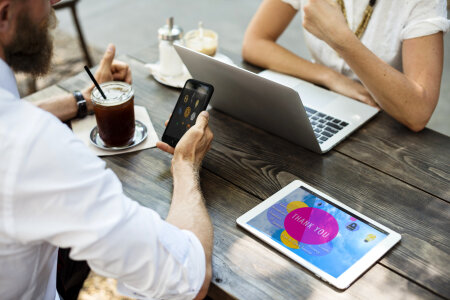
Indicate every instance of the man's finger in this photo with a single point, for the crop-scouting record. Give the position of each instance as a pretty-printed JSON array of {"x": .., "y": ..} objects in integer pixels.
[
  {"x": 202, "y": 120},
  {"x": 128, "y": 78},
  {"x": 108, "y": 57},
  {"x": 165, "y": 147}
]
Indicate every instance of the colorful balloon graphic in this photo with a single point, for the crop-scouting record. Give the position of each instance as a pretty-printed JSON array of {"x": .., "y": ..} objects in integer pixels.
[
  {"x": 310, "y": 225},
  {"x": 276, "y": 214},
  {"x": 287, "y": 240},
  {"x": 295, "y": 204}
]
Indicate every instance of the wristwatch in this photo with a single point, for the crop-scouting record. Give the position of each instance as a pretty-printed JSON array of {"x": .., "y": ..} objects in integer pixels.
[{"x": 81, "y": 104}]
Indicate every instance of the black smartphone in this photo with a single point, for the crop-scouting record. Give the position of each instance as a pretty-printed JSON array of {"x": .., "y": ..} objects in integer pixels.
[{"x": 194, "y": 99}]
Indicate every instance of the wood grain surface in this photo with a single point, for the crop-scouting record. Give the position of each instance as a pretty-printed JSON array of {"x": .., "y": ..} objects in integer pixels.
[
  {"x": 419, "y": 159},
  {"x": 246, "y": 165},
  {"x": 245, "y": 268}
]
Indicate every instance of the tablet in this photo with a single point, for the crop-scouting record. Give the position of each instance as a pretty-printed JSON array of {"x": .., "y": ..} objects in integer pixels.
[{"x": 330, "y": 239}]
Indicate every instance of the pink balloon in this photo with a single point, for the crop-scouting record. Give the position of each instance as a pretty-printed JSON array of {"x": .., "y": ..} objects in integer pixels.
[{"x": 311, "y": 225}]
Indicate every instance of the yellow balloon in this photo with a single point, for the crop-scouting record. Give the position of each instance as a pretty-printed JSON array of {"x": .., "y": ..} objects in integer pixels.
[
  {"x": 295, "y": 204},
  {"x": 288, "y": 240}
]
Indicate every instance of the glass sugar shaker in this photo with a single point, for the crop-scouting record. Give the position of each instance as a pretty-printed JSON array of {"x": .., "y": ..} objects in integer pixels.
[{"x": 170, "y": 62}]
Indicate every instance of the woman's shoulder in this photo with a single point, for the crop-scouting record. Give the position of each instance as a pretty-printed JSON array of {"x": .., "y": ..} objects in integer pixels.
[{"x": 296, "y": 4}]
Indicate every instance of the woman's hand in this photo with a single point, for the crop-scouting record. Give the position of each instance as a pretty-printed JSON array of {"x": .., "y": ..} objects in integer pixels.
[
  {"x": 343, "y": 85},
  {"x": 324, "y": 19}
]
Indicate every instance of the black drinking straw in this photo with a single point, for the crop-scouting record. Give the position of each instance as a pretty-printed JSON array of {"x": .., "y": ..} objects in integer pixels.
[{"x": 95, "y": 82}]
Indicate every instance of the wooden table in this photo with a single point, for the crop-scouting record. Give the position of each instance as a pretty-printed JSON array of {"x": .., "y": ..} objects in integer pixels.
[{"x": 396, "y": 177}]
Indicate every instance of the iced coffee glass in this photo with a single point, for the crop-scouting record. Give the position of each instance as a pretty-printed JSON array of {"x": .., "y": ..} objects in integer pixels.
[{"x": 115, "y": 114}]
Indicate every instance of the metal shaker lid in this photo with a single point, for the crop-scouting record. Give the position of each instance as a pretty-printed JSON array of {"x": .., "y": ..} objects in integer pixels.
[{"x": 170, "y": 32}]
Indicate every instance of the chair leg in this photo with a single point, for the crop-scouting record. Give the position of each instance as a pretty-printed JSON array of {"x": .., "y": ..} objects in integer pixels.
[{"x": 87, "y": 56}]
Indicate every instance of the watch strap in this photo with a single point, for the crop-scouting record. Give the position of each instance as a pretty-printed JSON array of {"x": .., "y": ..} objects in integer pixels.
[{"x": 81, "y": 104}]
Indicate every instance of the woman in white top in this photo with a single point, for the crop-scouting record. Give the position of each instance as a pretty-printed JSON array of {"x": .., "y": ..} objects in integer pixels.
[{"x": 395, "y": 64}]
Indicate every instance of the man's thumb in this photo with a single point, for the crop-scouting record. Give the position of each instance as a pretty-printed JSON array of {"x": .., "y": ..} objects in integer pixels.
[{"x": 108, "y": 57}]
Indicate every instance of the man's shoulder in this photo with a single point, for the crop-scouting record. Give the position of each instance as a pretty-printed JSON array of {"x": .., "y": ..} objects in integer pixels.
[
  {"x": 23, "y": 125},
  {"x": 18, "y": 118}
]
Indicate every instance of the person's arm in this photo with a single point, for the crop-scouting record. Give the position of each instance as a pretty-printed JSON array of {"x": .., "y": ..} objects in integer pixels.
[
  {"x": 63, "y": 195},
  {"x": 65, "y": 107},
  {"x": 187, "y": 195},
  {"x": 260, "y": 48},
  {"x": 409, "y": 97}
]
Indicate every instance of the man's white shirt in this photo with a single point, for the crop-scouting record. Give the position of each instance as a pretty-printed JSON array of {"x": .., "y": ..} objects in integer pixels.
[{"x": 55, "y": 193}]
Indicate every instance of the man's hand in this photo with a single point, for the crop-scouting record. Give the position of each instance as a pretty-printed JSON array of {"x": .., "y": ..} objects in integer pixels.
[
  {"x": 194, "y": 145},
  {"x": 324, "y": 19},
  {"x": 187, "y": 210},
  {"x": 343, "y": 85},
  {"x": 112, "y": 70},
  {"x": 108, "y": 70}
]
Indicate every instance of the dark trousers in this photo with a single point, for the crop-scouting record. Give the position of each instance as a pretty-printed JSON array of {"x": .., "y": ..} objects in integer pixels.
[{"x": 70, "y": 276}]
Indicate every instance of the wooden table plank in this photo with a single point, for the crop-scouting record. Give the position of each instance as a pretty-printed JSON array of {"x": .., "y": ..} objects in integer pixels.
[
  {"x": 270, "y": 163},
  {"x": 420, "y": 159},
  {"x": 45, "y": 93},
  {"x": 243, "y": 267}
]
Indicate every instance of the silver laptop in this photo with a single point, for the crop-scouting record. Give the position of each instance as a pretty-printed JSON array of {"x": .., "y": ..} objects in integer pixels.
[{"x": 294, "y": 109}]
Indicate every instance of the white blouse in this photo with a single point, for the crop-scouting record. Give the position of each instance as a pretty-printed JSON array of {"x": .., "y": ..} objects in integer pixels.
[{"x": 392, "y": 22}]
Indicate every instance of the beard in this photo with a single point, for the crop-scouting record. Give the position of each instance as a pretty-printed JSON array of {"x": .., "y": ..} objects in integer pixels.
[{"x": 32, "y": 48}]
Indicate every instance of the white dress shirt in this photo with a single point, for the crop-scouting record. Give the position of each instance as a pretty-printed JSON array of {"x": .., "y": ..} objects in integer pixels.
[
  {"x": 392, "y": 22},
  {"x": 55, "y": 193}
]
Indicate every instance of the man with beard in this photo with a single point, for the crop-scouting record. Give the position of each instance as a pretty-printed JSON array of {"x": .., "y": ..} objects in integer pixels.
[{"x": 55, "y": 193}]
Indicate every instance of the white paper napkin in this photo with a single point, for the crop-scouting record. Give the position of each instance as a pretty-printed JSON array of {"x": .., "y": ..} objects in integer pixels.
[{"x": 83, "y": 127}]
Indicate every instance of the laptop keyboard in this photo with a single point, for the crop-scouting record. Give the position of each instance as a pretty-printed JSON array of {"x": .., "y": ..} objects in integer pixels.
[{"x": 324, "y": 126}]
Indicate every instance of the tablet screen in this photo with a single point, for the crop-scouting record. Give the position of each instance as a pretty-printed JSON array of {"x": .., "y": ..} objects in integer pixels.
[{"x": 315, "y": 229}]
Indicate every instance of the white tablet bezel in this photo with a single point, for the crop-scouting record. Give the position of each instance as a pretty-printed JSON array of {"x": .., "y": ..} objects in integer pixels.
[{"x": 350, "y": 275}]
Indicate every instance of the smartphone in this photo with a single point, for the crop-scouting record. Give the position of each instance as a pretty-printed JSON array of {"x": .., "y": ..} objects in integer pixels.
[{"x": 194, "y": 99}]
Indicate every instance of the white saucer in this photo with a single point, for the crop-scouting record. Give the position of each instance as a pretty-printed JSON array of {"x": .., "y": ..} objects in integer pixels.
[
  {"x": 223, "y": 58},
  {"x": 173, "y": 81},
  {"x": 140, "y": 134},
  {"x": 179, "y": 80}
]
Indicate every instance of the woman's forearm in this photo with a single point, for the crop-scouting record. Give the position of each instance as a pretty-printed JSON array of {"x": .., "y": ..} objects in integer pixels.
[
  {"x": 408, "y": 101},
  {"x": 269, "y": 55}
]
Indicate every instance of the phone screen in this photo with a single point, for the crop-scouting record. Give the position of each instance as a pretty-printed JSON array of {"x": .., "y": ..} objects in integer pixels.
[{"x": 194, "y": 98}]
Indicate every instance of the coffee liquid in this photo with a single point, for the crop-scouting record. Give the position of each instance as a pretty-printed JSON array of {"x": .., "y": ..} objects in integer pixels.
[{"x": 115, "y": 116}]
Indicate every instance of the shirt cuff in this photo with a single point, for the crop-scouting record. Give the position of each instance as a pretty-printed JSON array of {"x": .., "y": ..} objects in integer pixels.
[
  {"x": 425, "y": 27},
  {"x": 200, "y": 271},
  {"x": 195, "y": 261}
]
